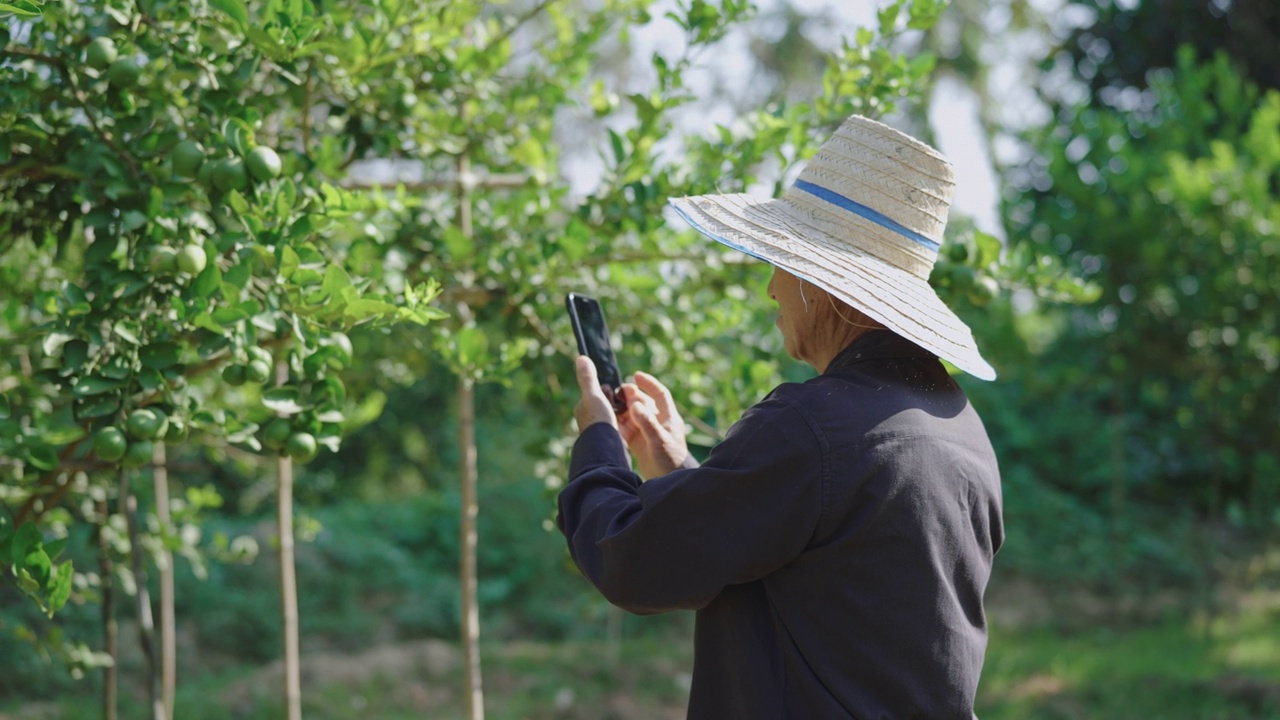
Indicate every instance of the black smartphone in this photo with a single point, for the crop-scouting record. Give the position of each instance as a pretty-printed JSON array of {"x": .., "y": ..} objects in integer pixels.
[{"x": 593, "y": 341}]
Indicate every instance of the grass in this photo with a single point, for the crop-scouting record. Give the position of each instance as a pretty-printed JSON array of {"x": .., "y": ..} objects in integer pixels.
[{"x": 1221, "y": 668}]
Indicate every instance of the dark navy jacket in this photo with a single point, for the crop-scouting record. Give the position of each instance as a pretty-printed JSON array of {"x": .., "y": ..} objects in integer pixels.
[{"x": 836, "y": 544}]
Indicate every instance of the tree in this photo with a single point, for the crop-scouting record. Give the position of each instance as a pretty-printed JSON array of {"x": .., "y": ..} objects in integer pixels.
[
  {"x": 176, "y": 258},
  {"x": 1170, "y": 209}
]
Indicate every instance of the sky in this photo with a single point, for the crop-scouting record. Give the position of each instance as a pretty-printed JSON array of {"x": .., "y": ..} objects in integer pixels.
[{"x": 953, "y": 110}]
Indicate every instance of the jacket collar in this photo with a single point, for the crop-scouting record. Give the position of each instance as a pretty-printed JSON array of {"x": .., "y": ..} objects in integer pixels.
[{"x": 876, "y": 345}]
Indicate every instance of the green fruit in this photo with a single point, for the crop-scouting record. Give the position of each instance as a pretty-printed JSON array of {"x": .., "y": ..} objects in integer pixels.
[
  {"x": 984, "y": 290},
  {"x": 188, "y": 158},
  {"x": 230, "y": 174},
  {"x": 301, "y": 447},
  {"x": 100, "y": 53},
  {"x": 234, "y": 375},
  {"x": 257, "y": 372},
  {"x": 962, "y": 278},
  {"x": 192, "y": 260},
  {"x": 164, "y": 260},
  {"x": 205, "y": 174},
  {"x": 258, "y": 353},
  {"x": 110, "y": 444},
  {"x": 957, "y": 252},
  {"x": 263, "y": 163},
  {"x": 177, "y": 431},
  {"x": 146, "y": 424},
  {"x": 139, "y": 453},
  {"x": 124, "y": 73},
  {"x": 277, "y": 433}
]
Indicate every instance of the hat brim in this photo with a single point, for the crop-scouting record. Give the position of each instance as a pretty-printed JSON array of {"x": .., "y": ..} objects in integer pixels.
[{"x": 779, "y": 233}]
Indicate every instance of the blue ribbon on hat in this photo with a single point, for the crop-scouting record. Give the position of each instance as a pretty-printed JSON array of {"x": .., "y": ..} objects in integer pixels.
[{"x": 863, "y": 211}]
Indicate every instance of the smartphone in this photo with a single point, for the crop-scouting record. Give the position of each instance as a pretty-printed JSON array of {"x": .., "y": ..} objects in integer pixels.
[{"x": 593, "y": 341}]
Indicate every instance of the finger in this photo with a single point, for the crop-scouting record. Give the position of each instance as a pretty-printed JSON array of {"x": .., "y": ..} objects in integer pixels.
[
  {"x": 587, "y": 381},
  {"x": 646, "y": 422},
  {"x": 655, "y": 389},
  {"x": 632, "y": 394}
]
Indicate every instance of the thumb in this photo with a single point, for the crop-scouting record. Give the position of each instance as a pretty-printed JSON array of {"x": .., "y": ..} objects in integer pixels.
[{"x": 586, "y": 371}]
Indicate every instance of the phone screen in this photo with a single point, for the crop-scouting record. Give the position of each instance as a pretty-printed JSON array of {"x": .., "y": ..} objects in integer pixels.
[{"x": 593, "y": 341}]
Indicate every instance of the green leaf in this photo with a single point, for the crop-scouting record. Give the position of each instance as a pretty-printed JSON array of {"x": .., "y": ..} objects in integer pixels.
[
  {"x": 55, "y": 548},
  {"x": 127, "y": 332},
  {"x": 4, "y": 407},
  {"x": 43, "y": 457},
  {"x": 54, "y": 341},
  {"x": 229, "y": 315},
  {"x": 459, "y": 244},
  {"x": 25, "y": 8},
  {"x": 234, "y": 9},
  {"x": 159, "y": 355},
  {"x": 239, "y": 134},
  {"x": 289, "y": 262},
  {"x": 336, "y": 280},
  {"x": 100, "y": 406},
  {"x": 27, "y": 536},
  {"x": 209, "y": 281},
  {"x": 96, "y": 385},
  {"x": 363, "y": 309},
  {"x": 60, "y": 587},
  {"x": 282, "y": 400}
]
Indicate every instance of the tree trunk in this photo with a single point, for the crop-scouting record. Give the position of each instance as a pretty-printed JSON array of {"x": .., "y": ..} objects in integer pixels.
[
  {"x": 467, "y": 543},
  {"x": 467, "y": 540},
  {"x": 146, "y": 625},
  {"x": 110, "y": 633},
  {"x": 168, "y": 621},
  {"x": 288, "y": 577}
]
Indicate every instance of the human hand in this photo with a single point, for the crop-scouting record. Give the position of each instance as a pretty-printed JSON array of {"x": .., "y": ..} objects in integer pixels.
[
  {"x": 594, "y": 406},
  {"x": 652, "y": 427}
]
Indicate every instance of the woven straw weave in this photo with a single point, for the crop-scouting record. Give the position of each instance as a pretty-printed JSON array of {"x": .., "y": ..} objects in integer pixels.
[{"x": 872, "y": 267}]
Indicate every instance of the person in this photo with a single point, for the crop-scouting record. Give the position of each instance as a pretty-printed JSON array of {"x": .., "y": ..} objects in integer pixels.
[{"x": 836, "y": 544}]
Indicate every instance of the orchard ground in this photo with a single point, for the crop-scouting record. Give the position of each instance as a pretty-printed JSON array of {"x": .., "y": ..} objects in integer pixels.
[{"x": 1053, "y": 654}]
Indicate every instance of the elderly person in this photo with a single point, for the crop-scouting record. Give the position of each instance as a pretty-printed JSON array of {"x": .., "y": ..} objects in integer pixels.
[{"x": 837, "y": 543}]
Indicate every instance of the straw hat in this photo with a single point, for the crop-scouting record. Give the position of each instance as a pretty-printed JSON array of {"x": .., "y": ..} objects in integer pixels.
[{"x": 864, "y": 222}]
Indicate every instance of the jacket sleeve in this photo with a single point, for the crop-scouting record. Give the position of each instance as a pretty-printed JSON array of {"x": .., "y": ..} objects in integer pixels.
[{"x": 676, "y": 541}]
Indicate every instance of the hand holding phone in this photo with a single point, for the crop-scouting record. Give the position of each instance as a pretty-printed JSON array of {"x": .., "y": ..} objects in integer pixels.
[{"x": 593, "y": 341}]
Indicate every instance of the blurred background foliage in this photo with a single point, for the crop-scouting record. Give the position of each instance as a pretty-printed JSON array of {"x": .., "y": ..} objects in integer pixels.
[{"x": 1131, "y": 309}]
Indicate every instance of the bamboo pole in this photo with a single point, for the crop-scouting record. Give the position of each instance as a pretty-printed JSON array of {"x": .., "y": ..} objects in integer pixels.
[
  {"x": 468, "y": 537},
  {"x": 110, "y": 631},
  {"x": 168, "y": 620},
  {"x": 288, "y": 576}
]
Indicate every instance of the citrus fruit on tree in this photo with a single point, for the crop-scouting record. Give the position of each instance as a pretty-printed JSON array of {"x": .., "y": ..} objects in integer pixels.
[
  {"x": 984, "y": 290},
  {"x": 257, "y": 371},
  {"x": 958, "y": 252},
  {"x": 139, "y": 453},
  {"x": 230, "y": 174},
  {"x": 301, "y": 447},
  {"x": 188, "y": 158},
  {"x": 100, "y": 53},
  {"x": 277, "y": 433},
  {"x": 259, "y": 353},
  {"x": 110, "y": 444},
  {"x": 146, "y": 424},
  {"x": 234, "y": 374},
  {"x": 263, "y": 163},
  {"x": 192, "y": 259},
  {"x": 164, "y": 260},
  {"x": 124, "y": 73},
  {"x": 205, "y": 175}
]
